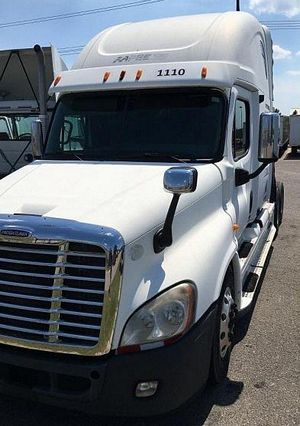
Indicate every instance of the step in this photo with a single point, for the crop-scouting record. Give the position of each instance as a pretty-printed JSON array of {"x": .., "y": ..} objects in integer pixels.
[
  {"x": 245, "y": 249},
  {"x": 255, "y": 271}
]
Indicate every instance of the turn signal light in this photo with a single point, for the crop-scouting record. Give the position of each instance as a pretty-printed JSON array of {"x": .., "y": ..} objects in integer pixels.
[
  {"x": 122, "y": 75},
  {"x": 139, "y": 75},
  {"x": 56, "y": 80},
  {"x": 106, "y": 77},
  {"x": 204, "y": 72},
  {"x": 235, "y": 227}
]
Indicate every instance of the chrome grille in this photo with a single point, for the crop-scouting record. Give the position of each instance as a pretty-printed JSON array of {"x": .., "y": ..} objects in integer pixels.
[{"x": 52, "y": 293}]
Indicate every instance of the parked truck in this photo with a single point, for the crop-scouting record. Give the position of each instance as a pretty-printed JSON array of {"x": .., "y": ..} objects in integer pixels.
[
  {"x": 141, "y": 232},
  {"x": 294, "y": 139},
  {"x": 25, "y": 77},
  {"x": 284, "y": 133}
]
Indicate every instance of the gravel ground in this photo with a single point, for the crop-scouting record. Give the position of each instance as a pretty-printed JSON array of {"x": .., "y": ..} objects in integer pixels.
[{"x": 262, "y": 386}]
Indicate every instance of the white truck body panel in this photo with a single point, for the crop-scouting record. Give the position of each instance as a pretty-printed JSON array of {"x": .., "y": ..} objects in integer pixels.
[{"x": 234, "y": 47}]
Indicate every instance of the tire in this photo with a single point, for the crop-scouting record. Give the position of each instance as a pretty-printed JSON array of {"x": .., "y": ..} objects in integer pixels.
[
  {"x": 224, "y": 331},
  {"x": 294, "y": 150}
]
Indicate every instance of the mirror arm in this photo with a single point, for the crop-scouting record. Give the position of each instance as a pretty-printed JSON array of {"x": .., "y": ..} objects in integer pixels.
[
  {"x": 243, "y": 176},
  {"x": 163, "y": 238},
  {"x": 259, "y": 170}
]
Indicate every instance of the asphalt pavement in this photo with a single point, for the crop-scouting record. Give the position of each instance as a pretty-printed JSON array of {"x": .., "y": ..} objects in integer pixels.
[{"x": 263, "y": 381}]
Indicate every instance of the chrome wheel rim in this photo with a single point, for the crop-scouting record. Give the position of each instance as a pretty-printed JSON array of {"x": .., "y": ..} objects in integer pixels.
[{"x": 226, "y": 322}]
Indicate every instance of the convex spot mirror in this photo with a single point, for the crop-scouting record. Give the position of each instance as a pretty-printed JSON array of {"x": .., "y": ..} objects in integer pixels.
[
  {"x": 269, "y": 134},
  {"x": 180, "y": 180},
  {"x": 37, "y": 139}
]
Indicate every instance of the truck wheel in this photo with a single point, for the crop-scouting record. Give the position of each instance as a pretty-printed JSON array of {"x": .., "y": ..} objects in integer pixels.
[
  {"x": 294, "y": 150},
  {"x": 223, "y": 336}
]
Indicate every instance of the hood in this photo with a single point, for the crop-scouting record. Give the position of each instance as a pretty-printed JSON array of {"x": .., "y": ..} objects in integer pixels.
[{"x": 127, "y": 197}]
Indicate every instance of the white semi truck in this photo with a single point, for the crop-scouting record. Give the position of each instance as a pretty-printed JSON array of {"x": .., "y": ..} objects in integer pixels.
[
  {"x": 294, "y": 139},
  {"x": 25, "y": 77},
  {"x": 130, "y": 246}
]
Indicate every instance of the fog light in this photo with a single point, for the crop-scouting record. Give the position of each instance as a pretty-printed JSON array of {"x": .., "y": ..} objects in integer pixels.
[{"x": 145, "y": 389}]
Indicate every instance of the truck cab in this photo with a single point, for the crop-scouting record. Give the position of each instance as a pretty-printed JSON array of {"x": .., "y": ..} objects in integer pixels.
[{"x": 141, "y": 232}]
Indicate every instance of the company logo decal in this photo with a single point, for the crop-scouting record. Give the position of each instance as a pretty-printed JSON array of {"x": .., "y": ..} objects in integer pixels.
[{"x": 15, "y": 233}]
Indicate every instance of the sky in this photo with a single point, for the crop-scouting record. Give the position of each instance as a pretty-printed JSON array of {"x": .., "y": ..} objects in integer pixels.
[{"x": 77, "y": 31}]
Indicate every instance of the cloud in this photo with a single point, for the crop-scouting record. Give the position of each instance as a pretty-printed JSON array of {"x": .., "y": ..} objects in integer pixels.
[
  {"x": 288, "y": 8},
  {"x": 298, "y": 53},
  {"x": 280, "y": 53},
  {"x": 293, "y": 72}
]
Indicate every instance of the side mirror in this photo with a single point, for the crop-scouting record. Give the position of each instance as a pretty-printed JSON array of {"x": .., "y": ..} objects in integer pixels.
[
  {"x": 180, "y": 180},
  {"x": 37, "y": 139},
  {"x": 269, "y": 134},
  {"x": 177, "y": 180}
]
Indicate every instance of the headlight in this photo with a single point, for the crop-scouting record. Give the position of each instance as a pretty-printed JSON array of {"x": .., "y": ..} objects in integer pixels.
[{"x": 169, "y": 315}]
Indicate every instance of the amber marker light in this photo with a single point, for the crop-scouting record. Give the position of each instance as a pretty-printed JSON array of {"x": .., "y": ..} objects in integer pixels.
[
  {"x": 56, "y": 80},
  {"x": 235, "y": 227},
  {"x": 203, "y": 72},
  {"x": 106, "y": 76},
  {"x": 139, "y": 75},
  {"x": 122, "y": 75}
]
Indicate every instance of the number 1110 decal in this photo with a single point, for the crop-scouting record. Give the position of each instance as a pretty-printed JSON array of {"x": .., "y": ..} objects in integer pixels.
[{"x": 170, "y": 72}]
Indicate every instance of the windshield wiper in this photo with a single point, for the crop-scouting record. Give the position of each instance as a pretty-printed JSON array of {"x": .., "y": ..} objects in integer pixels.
[
  {"x": 163, "y": 155},
  {"x": 148, "y": 155},
  {"x": 76, "y": 156},
  {"x": 63, "y": 156}
]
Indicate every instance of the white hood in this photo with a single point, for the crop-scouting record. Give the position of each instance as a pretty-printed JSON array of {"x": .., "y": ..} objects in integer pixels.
[{"x": 127, "y": 197}]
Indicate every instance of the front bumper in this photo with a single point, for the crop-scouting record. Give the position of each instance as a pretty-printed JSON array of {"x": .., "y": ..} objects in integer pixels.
[{"x": 106, "y": 385}]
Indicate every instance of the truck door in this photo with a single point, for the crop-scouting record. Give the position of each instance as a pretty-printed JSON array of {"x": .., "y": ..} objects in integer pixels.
[{"x": 242, "y": 197}]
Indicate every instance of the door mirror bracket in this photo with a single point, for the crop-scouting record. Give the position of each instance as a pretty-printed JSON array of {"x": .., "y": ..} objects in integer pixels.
[
  {"x": 177, "y": 180},
  {"x": 242, "y": 176}
]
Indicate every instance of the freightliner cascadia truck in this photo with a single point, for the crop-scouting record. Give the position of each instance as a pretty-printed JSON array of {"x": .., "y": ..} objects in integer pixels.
[{"x": 140, "y": 232}]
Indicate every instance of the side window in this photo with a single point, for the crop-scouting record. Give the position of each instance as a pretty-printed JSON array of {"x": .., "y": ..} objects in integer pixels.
[
  {"x": 5, "y": 133},
  {"x": 240, "y": 133},
  {"x": 72, "y": 135}
]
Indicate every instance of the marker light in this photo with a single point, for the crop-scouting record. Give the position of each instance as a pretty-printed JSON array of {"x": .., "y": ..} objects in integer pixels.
[
  {"x": 139, "y": 75},
  {"x": 122, "y": 75},
  {"x": 56, "y": 80},
  {"x": 235, "y": 227},
  {"x": 204, "y": 72},
  {"x": 106, "y": 76}
]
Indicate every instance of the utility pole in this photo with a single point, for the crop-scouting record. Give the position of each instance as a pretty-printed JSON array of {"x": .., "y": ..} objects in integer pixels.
[{"x": 238, "y": 5}]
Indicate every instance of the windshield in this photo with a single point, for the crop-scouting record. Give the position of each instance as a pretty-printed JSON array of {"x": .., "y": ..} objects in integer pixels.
[{"x": 186, "y": 124}]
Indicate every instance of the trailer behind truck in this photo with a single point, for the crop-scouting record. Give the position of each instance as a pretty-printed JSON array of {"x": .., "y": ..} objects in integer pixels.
[
  {"x": 294, "y": 139},
  {"x": 128, "y": 249},
  {"x": 25, "y": 77}
]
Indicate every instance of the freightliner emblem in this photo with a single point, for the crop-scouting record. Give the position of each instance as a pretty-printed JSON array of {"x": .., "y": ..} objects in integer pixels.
[{"x": 15, "y": 233}]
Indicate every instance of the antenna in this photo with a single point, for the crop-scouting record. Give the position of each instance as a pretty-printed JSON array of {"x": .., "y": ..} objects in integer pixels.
[{"x": 238, "y": 5}]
